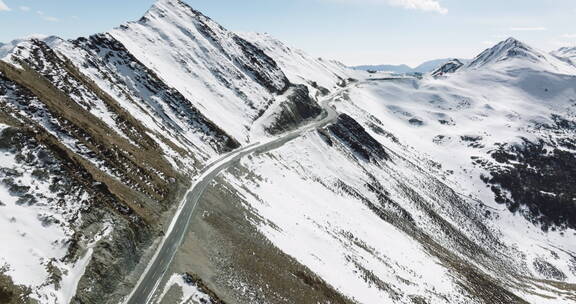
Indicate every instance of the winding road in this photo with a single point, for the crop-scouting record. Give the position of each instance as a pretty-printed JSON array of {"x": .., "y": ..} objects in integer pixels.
[{"x": 147, "y": 286}]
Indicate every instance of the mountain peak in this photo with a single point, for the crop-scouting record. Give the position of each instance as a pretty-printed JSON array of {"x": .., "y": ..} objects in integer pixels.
[
  {"x": 511, "y": 43},
  {"x": 567, "y": 48},
  {"x": 513, "y": 54},
  {"x": 512, "y": 40},
  {"x": 449, "y": 67},
  {"x": 171, "y": 9},
  {"x": 505, "y": 50},
  {"x": 170, "y": 3}
]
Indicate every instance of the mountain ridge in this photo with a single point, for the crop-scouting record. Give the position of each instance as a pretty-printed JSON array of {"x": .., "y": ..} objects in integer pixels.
[
  {"x": 510, "y": 50},
  {"x": 425, "y": 67},
  {"x": 566, "y": 53}
]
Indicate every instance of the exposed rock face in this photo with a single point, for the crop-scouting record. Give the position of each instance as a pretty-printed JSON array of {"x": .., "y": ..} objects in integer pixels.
[
  {"x": 204, "y": 60},
  {"x": 298, "y": 108},
  {"x": 450, "y": 67},
  {"x": 84, "y": 199},
  {"x": 78, "y": 204},
  {"x": 252, "y": 59},
  {"x": 11, "y": 294},
  {"x": 119, "y": 69},
  {"x": 534, "y": 183},
  {"x": 258, "y": 62},
  {"x": 354, "y": 136}
]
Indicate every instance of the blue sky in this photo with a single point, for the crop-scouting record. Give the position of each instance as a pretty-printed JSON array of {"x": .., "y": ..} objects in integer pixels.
[{"x": 353, "y": 31}]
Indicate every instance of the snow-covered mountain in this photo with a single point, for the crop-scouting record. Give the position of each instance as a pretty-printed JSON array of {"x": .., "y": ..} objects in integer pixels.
[
  {"x": 394, "y": 68},
  {"x": 204, "y": 60},
  {"x": 452, "y": 188},
  {"x": 431, "y": 65},
  {"x": 566, "y": 53},
  {"x": 316, "y": 73},
  {"x": 471, "y": 176},
  {"x": 449, "y": 67},
  {"x": 425, "y": 67},
  {"x": 513, "y": 53}
]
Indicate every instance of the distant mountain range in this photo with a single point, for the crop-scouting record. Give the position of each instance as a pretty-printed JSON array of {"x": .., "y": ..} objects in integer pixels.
[
  {"x": 566, "y": 53},
  {"x": 425, "y": 67}
]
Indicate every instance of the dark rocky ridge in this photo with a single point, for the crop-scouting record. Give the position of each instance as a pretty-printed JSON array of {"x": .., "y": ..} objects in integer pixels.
[
  {"x": 295, "y": 110},
  {"x": 118, "y": 66},
  {"x": 537, "y": 178},
  {"x": 355, "y": 137},
  {"x": 450, "y": 67},
  {"x": 70, "y": 179},
  {"x": 37, "y": 102},
  {"x": 263, "y": 69}
]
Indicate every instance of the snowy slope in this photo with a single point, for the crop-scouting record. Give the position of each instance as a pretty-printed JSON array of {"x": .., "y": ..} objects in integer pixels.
[
  {"x": 449, "y": 67},
  {"x": 108, "y": 130},
  {"x": 388, "y": 204},
  {"x": 35, "y": 230},
  {"x": 566, "y": 53},
  {"x": 376, "y": 233},
  {"x": 460, "y": 121},
  {"x": 226, "y": 78},
  {"x": 514, "y": 54},
  {"x": 160, "y": 108},
  {"x": 341, "y": 206},
  {"x": 124, "y": 133},
  {"x": 337, "y": 208},
  {"x": 425, "y": 67},
  {"x": 302, "y": 68}
]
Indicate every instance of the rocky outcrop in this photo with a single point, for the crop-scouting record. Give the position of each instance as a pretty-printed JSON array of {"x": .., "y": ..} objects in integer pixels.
[
  {"x": 110, "y": 182},
  {"x": 250, "y": 58},
  {"x": 534, "y": 182},
  {"x": 139, "y": 84},
  {"x": 83, "y": 200},
  {"x": 298, "y": 108},
  {"x": 357, "y": 140},
  {"x": 448, "y": 68}
]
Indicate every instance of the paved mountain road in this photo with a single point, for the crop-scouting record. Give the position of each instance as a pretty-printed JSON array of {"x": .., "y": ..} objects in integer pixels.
[{"x": 148, "y": 284}]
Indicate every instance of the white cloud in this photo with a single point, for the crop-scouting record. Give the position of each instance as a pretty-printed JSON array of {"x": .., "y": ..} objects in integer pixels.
[
  {"x": 528, "y": 29},
  {"x": 423, "y": 5},
  {"x": 569, "y": 36},
  {"x": 51, "y": 19},
  {"x": 41, "y": 13},
  {"x": 3, "y": 6},
  {"x": 35, "y": 36},
  {"x": 25, "y": 8}
]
